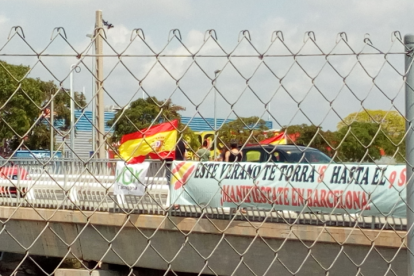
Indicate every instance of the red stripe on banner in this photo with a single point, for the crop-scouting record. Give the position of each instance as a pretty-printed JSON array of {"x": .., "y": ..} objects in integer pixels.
[
  {"x": 181, "y": 182},
  {"x": 147, "y": 132},
  {"x": 178, "y": 167},
  {"x": 188, "y": 173}
]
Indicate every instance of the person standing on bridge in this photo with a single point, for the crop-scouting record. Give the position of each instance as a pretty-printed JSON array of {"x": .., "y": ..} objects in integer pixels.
[
  {"x": 203, "y": 154},
  {"x": 180, "y": 149},
  {"x": 234, "y": 154}
]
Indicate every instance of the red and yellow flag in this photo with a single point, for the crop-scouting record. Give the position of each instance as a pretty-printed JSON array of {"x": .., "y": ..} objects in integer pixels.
[
  {"x": 157, "y": 141},
  {"x": 280, "y": 139}
]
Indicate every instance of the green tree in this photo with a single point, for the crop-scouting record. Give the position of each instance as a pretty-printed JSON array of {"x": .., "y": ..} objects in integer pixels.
[
  {"x": 244, "y": 130},
  {"x": 312, "y": 136},
  {"x": 61, "y": 102},
  {"x": 391, "y": 121},
  {"x": 141, "y": 114},
  {"x": 39, "y": 137},
  {"x": 20, "y": 100},
  {"x": 24, "y": 101},
  {"x": 149, "y": 111},
  {"x": 362, "y": 141},
  {"x": 392, "y": 125}
]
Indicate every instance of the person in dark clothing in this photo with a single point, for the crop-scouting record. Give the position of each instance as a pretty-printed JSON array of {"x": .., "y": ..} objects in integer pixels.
[
  {"x": 180, "y": 150},
  {"x": 179, "y": 155},
  {"x": 234, "y": 154},
  {"x": 222, "y": 155}
]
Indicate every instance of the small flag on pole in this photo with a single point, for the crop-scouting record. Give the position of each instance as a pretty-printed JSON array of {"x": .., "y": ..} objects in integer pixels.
[{"x": 158, "y": 142}]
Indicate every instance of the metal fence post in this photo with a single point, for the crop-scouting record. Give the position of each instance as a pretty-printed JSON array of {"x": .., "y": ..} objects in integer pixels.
[{"x": 409, "y": 114}]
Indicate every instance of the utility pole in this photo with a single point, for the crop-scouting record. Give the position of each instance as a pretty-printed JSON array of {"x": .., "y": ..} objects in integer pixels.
[{"x": 99, "y": 108}]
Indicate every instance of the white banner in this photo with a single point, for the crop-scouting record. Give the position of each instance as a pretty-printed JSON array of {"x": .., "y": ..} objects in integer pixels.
[
  {"x": 130, "y": 179},
  {"x": 334, "y": 188}
]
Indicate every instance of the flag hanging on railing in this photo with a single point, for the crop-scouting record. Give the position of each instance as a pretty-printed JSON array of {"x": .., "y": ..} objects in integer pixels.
[
  {"x": 280, "y": 139},
  {"x": 158, "y": 142}
]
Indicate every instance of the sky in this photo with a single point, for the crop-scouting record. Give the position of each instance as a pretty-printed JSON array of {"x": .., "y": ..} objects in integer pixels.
[{"x": 309, "y": 91}]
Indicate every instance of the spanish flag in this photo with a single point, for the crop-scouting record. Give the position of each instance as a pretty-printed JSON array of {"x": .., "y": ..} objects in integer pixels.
[
  {"x": 157, "y": 141},
  {"x": 280, "y": 139}
]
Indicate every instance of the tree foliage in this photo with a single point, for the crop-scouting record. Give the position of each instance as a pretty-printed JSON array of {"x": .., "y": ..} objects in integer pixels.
[
  {"x": 363, "y": 142},
  {"x": 390, "y": 139},
  {"x": 39, "y": 137},
  {"x": 391, "y": 121},
  {"x": 20, "y": 98},
  {"x": 143, "y": 113},
  {"x": 24, "y": 102},
  {"x": 245, "y": 130},
  {"x": 61, "y": 102},
  {"x": 312, "y": 136}
]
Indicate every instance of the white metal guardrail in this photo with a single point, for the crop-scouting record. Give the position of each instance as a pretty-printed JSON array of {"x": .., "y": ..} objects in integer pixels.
[{"x": 84, "y": 187}]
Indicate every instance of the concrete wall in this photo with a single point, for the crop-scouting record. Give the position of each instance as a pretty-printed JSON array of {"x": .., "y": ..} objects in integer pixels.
[{"x": 156, "y": 241}]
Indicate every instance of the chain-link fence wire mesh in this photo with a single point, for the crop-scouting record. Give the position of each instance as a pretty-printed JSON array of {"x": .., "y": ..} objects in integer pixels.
[{"x": 343, "y": 106}]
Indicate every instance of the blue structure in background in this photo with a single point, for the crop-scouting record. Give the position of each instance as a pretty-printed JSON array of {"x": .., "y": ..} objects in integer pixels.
[
  {"x": 86, "y": 120},
  {"x": 23, "y": 154},
  {"x": 196, "y": 123},
  {"x": 207, "y": 124}
]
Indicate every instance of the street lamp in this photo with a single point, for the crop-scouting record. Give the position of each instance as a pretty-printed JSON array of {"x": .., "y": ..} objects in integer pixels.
[
  {"x": 93, "y": 99},
  {"x": 75, "y": 68},
  {"x": 215, "y": 115},
  {"x": 52, "y": 122}
]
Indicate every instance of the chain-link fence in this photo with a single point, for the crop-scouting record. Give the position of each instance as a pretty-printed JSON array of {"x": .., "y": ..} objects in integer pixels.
[{"x": 293, "y": 151}]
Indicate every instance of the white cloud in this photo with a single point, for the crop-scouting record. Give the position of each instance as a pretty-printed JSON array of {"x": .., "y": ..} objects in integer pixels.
[
  {"x": 3, "y": 19},
  {"x": 119, "y": 37}
]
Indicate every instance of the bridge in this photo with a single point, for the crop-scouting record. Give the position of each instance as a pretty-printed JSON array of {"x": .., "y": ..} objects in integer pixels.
[{"x": 68, "y": 209}]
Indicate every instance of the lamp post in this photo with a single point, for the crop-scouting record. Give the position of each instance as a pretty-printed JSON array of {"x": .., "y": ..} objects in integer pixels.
[
  {"x": 215, "y": 115},
  {"x": 52, "y": 123},
  {"x": 73, "y": 67},
  {"x": 93, "y": 100}
]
